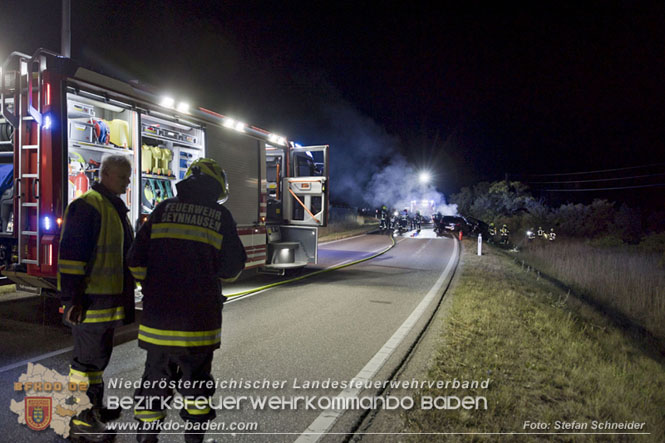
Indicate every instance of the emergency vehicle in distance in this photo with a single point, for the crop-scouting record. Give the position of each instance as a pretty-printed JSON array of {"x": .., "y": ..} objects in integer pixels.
[
  {"x": 425, "y": 208},
  {"x": 57, "y": 122}
]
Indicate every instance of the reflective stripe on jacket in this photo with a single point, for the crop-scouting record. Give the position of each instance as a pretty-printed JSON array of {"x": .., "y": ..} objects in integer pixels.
[{"x": 182, "y": 339}]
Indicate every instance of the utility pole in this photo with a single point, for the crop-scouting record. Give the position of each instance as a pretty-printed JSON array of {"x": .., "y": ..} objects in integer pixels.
[{"x": 66, "y": 30}]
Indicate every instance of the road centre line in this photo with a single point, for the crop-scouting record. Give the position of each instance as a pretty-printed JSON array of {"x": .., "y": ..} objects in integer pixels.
[{"x": 325, "y": 421}]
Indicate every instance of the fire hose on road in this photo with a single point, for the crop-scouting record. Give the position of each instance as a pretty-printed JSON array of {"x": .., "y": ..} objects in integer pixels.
[{"x": 312, "y": 274}]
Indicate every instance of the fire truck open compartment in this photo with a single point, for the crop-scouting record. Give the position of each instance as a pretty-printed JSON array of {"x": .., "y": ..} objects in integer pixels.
[
  {"x": 159, "y": 149},
  {"x": 167, "y": 150},
  {"x": 96, "y": 129},
  {"x": 58, "y": 122}
]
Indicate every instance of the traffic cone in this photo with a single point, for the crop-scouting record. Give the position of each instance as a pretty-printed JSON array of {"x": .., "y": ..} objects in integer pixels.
[{"x": 460, "y": 235}]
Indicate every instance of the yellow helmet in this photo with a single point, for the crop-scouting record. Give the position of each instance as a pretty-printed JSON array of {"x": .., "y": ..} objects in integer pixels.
[{"x": 210, "y": 168}]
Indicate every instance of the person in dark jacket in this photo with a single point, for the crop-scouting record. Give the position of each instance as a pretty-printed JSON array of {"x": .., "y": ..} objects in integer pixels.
[
  {"x": 96, "y": 287},
  {"x": 188, "y": 245}
]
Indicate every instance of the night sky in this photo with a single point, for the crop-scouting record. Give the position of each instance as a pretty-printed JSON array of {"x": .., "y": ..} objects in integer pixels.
[{"x": 472, "y": 95}]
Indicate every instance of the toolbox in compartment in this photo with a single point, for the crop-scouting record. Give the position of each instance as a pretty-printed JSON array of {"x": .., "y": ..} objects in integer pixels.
[
  {"x": 79, "y": 110},
  {"x": 81, "y": 131},
  {"x": 188, "y": 139},
  {"x": 167, "y": 133},
  {"x": 151, "y": 129}
]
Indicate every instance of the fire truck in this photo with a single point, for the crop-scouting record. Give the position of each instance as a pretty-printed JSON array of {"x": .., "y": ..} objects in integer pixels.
[{"x": 58, "y": 121}]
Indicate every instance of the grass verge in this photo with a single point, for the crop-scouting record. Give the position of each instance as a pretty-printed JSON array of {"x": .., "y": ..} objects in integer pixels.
[
  {"x": 548, "y": 357},
  {"x": 626, "y": 279}
]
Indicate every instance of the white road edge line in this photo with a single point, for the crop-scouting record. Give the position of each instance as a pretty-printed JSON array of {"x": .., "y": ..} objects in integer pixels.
[{"x": 325, "y": 421}]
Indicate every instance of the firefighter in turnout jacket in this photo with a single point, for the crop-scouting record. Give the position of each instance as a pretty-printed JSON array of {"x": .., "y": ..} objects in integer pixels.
[
  {"x": 186, "y": 246},
  {"x": 504, "y": 232},
  {"x": 492, "y": 230},
  {"x": 96, "y": 287}
]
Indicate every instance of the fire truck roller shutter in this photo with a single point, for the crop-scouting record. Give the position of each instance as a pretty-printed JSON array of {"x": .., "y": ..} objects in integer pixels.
[{"x": 238, "y": 155}]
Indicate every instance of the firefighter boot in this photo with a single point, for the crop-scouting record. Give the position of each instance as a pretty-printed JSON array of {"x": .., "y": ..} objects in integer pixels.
[
  {"x": 87, "y": 427},
  {"x": 190, "y": 437},
  {"x": 108, "y": 414}
]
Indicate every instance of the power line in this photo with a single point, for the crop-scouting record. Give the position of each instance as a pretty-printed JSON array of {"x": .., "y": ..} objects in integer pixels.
[
  {"x": 597, "y": 179},
  {"x": 602, "y": 189},
  {"x": 593, "y": 172}
]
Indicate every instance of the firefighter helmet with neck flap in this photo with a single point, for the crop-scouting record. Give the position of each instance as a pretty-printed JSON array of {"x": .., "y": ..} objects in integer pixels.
[{"x": 209, "y": 167}]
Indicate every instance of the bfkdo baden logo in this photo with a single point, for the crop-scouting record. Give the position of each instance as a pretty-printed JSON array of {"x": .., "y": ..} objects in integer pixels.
[
  {"x": 38, "y": 412},
  {"x": 46, "y": 399}
]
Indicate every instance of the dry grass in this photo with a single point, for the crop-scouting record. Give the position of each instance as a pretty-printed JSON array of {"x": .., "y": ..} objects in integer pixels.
[
  {"x": 626, "y": 279},
  {"x": 547, "y": 361}
]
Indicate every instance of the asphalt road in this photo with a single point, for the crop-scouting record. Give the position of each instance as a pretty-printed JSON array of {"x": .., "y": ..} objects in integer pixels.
[{"x": 355, "y": 323}]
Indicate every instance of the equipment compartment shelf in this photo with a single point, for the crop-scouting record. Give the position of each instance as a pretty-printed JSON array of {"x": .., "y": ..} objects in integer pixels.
[
  {"x": 100, "y": 148},
  {"x": 163, "y": 177},
  {"x": 179, "y": 142}
]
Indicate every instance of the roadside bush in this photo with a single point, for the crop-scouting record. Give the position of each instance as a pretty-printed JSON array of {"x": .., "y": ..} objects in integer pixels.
[
  {"x": 655, "y": 222},
  {"x": 511, "y": 203},
  {"x": 628, "y": 224},
  {"x": 653, "y": 243},
  {"x": 596, "y": 219}
]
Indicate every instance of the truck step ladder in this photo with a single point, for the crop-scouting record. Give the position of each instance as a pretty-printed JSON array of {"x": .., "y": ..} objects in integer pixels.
[{"x": 26, "y": 120}]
